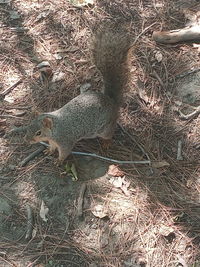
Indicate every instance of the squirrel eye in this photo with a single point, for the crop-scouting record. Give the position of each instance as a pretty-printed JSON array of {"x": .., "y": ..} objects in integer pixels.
[{"x": 38, "y": 132}]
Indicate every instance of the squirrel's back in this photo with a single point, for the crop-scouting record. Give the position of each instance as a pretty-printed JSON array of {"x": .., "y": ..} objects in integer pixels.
[{"x": 111, "y": 46}]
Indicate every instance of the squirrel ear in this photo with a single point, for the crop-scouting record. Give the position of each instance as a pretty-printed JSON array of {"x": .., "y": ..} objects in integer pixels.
[{"x": 47, "y": 122}]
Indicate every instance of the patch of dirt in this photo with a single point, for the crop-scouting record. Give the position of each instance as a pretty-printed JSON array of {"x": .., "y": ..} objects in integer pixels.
[{"x": 188, "y": 89}]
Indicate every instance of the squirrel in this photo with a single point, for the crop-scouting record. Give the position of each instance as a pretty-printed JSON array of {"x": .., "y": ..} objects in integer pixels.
[{"x": 90, "y": 114}]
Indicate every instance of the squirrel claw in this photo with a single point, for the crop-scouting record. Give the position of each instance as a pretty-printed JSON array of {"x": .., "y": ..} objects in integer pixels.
[{"x": 48, "y": 152}]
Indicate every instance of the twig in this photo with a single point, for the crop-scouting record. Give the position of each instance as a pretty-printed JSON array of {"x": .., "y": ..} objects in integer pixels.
[
  {"x": 32, "y": 156},
  {"x": 191, "y": 115},
  {"x": 7, "y": 262},
  {"x": 179, "y": 35},
  {"x": 179, "y": 150},
  {"x": 18, "y": 107},
  {"x": 182, "y": 75},
  {"x": 29, "y": 223},
  {"x": 142, "y": 32},
  {"x": 10, "y": 116},
  {"x": 155, "y": 74},
  {"x": 80, "y": 201},
  {"x": 8, "y": 90}
]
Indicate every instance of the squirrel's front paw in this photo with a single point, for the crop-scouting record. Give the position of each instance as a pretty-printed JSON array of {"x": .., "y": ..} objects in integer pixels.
[{"x": 48, "y": 151}]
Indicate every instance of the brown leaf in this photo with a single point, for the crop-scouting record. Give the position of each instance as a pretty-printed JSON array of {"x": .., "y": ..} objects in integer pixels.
[
  {"x": 115, "y": 171},
  {"x": 99, "y": 211},
  {"x": 44, "y": 211}
]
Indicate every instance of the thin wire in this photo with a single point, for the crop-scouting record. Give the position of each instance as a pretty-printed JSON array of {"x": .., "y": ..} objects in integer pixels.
[{"x": 105, "y": 158}]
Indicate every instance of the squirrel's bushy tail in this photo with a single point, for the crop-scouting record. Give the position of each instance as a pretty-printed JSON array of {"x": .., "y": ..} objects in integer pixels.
[{"x": 112, "y": 43}]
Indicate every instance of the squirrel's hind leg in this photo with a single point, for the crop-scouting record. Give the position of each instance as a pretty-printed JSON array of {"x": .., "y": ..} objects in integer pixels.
[
  {"x": 106, "y": 136},
  {"x": 108, "y": 132}
]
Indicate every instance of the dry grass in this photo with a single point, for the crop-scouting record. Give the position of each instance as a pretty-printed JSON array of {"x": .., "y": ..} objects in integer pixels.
[{"x": 158, "y": 225}]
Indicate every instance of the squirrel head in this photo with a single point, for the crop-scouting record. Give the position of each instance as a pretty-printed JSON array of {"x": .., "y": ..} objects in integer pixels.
[{"x": 40, "y": 129}]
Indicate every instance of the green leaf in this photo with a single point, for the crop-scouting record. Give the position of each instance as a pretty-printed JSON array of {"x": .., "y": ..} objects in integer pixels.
[{"x": 74, "y": 172}]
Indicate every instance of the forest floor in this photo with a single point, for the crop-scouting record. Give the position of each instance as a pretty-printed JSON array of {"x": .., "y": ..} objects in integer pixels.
[{"x": 133, "y": 215}]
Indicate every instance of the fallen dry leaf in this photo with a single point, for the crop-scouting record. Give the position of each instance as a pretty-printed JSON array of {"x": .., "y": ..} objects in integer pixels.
[
  {"x": 99, "y": 211},
  {"x": 158, "y": 56},
  {"x": 44, "y": 211},
  {"x": 115, "y": 171},
  {"x": 120, "y": 182},
  {"x": 117, "y": 182}
]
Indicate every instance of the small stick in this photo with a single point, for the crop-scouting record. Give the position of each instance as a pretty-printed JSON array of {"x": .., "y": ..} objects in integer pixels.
[
  {"x": 179, "y": 35},
  {"x": 18, "y": 107},
  {"x": 11, "y": 116},
  {"x": 80, "y": 201},
  {"x": 155, "y": 74},
  {"x": 191, "y": 115},
  {"x": 179, "y": 150},
  {"x": 32, "y": 155},
  {"x": 8, "y": 90},
  {"x": 182, "y": 75},
  {"x": 142, "y": 32},
  {"x": 29, "y": 223}
]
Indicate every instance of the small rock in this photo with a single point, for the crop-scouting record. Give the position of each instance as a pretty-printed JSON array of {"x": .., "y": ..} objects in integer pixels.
[
  {"x": 58, "y": 56},
  {"x": 85, "y": 87},
  {"x": 94, "y": 226},
  {"x": 14, "y": 15},
  {"x": 100, "y": 211},
  {"x": 42, "y": 15},
  {"x": 58, "y": 76}
]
